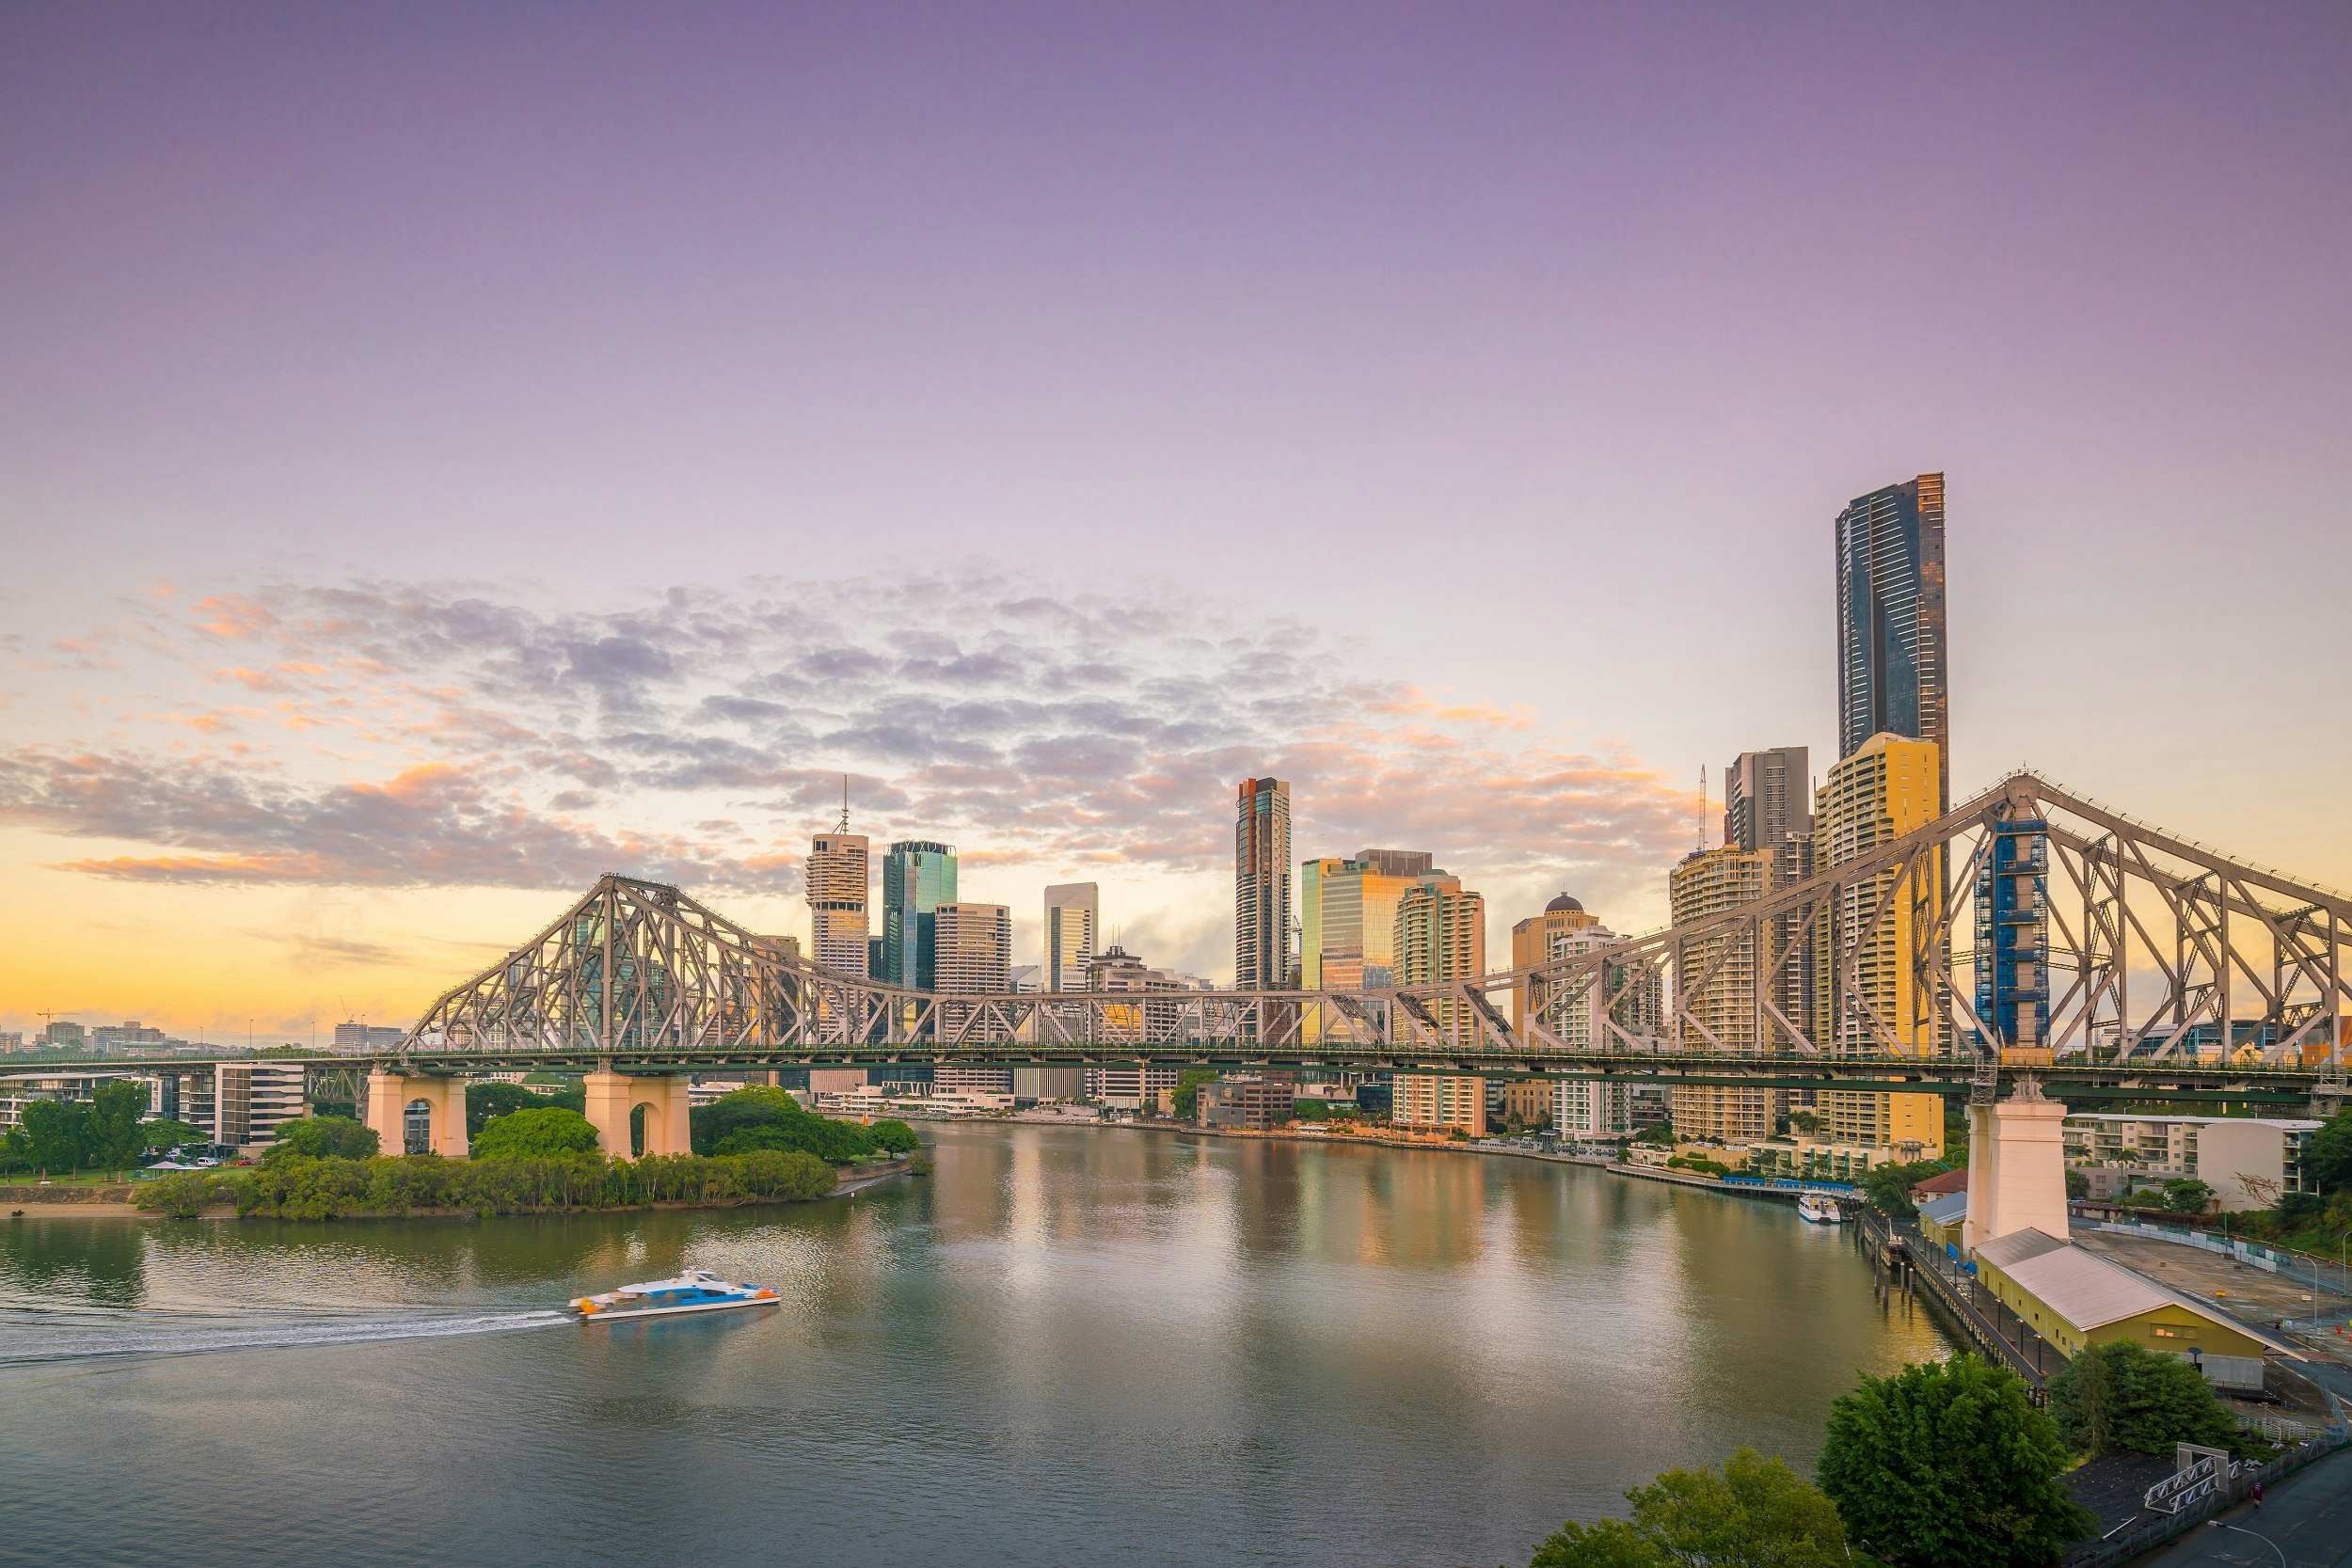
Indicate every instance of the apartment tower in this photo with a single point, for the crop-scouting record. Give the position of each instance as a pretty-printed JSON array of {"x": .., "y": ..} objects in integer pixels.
[
  {"x": 1717, "y": 986},
  {"x": 1532, "y": 942},
  {"x": 1871, "y": 999},
  {"x": 1073, "y": 913},
  {"x": 1440, "y": 934},
  {"x": 1261, "y": 886},
  {"x": 837, "y": 882},
  {"x": 1891, "y": 667}
]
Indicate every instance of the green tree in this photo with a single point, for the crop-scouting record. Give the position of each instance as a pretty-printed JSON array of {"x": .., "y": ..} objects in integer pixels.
[
  {"x": 895, "y": 1137},
  {"x": 1661, "y": 1132},
  {"x": 161, "y": 1134},
  {"x": 116, "y": 1110},
  {"x": 484, "y": 1101},
  {"x": 1947, "y": 1465},
  {"x": 1187, "y": 1097},
  {"x": 2077, "y": 1184},
  {"x": 541, "y": 1133},
  {"x": 1756, "y": 1513},
  {"x": 1888, "y": 1187},
  {"x": 322, "y": 1138},
  {"x": 56, "y": 1133},
  {"x": 2327, "y": 1153},
  {"x": 2185, "y": 1195},
  {"x": 2124, "y": 1395}
]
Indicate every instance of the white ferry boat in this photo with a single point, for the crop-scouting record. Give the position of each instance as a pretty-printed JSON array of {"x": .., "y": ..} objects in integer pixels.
[
  {"x": 693, "y": 1291},
  {"x": 1821, "y": 1208}
]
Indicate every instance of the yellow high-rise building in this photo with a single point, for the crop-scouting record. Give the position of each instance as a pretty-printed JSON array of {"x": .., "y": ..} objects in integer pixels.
[
  {"x": 1869, "y": 998},
  {"x": 1724, "y": 1013}
]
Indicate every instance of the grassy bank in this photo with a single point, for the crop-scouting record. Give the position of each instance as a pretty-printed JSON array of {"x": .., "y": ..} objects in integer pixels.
[{"x": 324, "y": 1189}]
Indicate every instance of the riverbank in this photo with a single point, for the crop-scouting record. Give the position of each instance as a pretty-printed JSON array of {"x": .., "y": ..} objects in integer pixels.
[{"x": 117, "y": 1201}]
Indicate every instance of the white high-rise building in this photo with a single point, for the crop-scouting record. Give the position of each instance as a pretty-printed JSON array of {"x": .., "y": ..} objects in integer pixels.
[
  {"x": 838, "y": 878},
  {"x": 1073, "y": 913}
]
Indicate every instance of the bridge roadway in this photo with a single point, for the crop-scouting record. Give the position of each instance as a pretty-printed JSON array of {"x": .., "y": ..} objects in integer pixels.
[{"x": 2074, "y": 1080}]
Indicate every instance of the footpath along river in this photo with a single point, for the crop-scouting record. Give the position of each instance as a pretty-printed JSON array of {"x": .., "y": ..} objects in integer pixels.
[{"x": 1067, "y": 1346}]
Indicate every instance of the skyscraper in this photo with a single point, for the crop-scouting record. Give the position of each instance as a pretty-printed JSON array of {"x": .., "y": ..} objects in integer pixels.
[
  {"x": 1441, "y": 935},
  {"x": 1768, "y": 810},
  {"x": 974, "y": 948},
  {"x": 1870, "y": 999},
  {"x": 1074, "y": 912},
  {"x": 918, "y": 875},
  {"x": 1347, "y": 917},
  {"x": 1723, "y": 1012},
  {"x": 1891, "y": 666},
  {"x": 837, "y": 881},
  {"x": 1767, "y": 796},
  {"x": 1261, "y": 886}
]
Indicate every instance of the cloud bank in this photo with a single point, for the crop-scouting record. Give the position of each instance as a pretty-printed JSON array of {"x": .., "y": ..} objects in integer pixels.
[{"x": 416, "y": 734}]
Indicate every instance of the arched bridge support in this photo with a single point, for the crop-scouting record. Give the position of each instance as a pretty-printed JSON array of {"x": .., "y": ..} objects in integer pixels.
[
  {"x": 2016, "y": 1168},
  {"x": 391, "y": 1093},
  {"x": 612, "y": 1097}
]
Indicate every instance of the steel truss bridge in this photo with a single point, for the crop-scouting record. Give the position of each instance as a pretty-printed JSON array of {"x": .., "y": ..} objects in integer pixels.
[
  {"x": 2164, "y": 968},
  {"x": 2159, "y": 969}
]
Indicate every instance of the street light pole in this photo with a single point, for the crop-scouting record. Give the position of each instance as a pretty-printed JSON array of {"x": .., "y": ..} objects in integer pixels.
[{"x": 2263, "y": 1539}]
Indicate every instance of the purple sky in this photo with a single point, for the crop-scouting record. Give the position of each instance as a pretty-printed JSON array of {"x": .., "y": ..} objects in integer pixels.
[{"x": 1515, "y": 354}]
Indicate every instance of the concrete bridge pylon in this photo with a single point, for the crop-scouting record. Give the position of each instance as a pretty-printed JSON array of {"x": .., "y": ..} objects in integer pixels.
[
  {"x": 613, "y": 1098},
  {"x": 2016, "y": 1168},
  {"x": 391, "y": 1093}
]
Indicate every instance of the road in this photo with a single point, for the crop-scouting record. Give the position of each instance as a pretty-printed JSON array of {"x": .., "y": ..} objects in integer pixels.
[{"x": 2306, "y": 1518}]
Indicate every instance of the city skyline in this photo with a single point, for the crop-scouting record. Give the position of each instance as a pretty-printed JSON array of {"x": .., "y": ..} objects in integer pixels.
[{"x": 339, "y": 650}]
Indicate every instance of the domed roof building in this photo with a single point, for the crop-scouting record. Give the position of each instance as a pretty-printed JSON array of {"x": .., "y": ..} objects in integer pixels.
[{"x": 1530, "y": 942}]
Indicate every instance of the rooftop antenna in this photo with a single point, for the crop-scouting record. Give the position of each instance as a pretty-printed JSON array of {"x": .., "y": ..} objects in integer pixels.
[
  {"x": 1702, "y": 805},
  {"x": 844, "y": 805}
]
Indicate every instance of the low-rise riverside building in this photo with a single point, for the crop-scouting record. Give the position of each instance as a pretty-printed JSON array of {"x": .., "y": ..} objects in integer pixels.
[
  {"x": 1254, "y": 1104},
  {"x": 2249, "y": 1162},
  {"x": 2076, "y": 1299},
  {"x": 1822, "y": 1161}
]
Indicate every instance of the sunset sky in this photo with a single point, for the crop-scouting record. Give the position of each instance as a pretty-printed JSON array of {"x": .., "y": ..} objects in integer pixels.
[{"x": 447, "y": 454}]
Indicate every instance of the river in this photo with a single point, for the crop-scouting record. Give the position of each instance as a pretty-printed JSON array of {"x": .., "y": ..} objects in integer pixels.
[{"x": 1066, "y": 1346}]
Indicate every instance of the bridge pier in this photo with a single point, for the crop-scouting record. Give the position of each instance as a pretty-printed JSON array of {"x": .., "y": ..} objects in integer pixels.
[
  {"x": 613, "y": 1096},
  {"x": 2016, "y": 1168},
  {"x": 391, "y": 1093}
]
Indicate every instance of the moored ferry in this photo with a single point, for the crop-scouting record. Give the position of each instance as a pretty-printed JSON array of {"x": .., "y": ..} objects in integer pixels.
[
  {"x": 693, "y": 1291},
  {"x": 1821, "y": 1208}
]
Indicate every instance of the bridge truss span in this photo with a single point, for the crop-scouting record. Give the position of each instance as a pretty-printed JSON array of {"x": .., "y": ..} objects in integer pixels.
[{"x": 2029, "y": 927}]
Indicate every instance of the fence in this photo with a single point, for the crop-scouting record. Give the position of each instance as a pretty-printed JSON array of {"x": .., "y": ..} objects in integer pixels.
[
  {"x": 2148, "y": 1533},
  {"x": 2253, "y": 1254},
  {"x": 1984, "y": 1317}
]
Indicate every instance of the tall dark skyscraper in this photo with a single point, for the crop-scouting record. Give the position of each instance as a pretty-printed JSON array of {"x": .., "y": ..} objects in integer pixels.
[
  {"x": 1261, "y": 886},
  {"x": 1891, "y": 670},
  {"x": 918, "y": 876}
]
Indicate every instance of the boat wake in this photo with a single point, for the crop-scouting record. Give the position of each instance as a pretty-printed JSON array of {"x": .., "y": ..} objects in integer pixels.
[{"x": 37, "y": 1342}]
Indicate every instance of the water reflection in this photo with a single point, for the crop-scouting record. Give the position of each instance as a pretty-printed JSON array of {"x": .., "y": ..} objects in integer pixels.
[{"x": 1067, "y": 1346}]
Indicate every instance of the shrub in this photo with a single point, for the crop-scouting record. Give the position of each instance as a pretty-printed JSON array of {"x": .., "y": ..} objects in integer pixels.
[
  {"x": 541, "y": 1133},
  {"x": 182, "y": 1194},
  {"x": 321, "y": 1138},
  {"x": 1947, "y": 1465},
  {"x": 2126, "y": 1396},
  {"x": 1758, "y": 1512}
]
